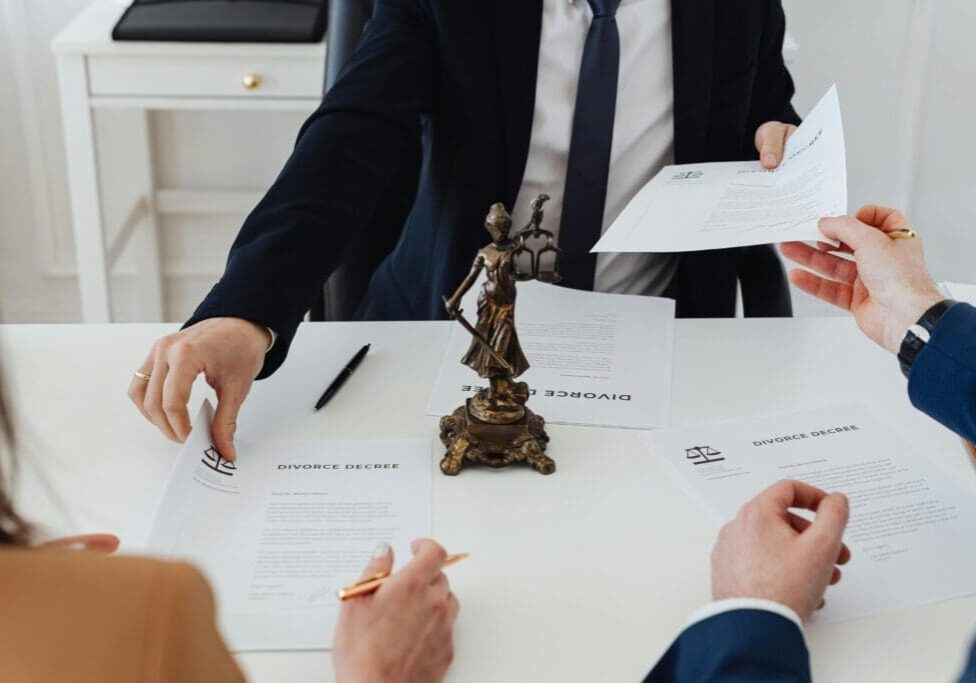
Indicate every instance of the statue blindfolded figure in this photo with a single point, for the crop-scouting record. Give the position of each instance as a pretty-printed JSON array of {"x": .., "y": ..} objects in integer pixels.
[
  {"x": 495, "y": 427},
  {"x": 495, "y": 353}
]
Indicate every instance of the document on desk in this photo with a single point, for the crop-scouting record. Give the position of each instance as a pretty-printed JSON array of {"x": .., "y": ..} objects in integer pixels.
[
  {"x": 286, "y": 525},
  {"x": 694, "y": 207},
  {"x": 912, "y": 531},
  {"x": 596, "y": 359}
]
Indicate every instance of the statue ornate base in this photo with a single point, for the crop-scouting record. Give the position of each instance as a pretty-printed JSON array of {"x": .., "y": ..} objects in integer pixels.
[{"x": 470, "y": 441}]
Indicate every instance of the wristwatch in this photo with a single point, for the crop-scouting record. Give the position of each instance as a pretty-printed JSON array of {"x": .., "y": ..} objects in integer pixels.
[{"x": 918, "y": 335}]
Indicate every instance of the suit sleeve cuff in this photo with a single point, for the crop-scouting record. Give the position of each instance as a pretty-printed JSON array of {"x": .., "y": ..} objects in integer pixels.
[{"x": 731, "y": 604}]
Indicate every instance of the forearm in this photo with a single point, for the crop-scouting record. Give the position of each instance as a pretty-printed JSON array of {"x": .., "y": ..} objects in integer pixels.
[
  {"x": 942, "y": 382},
  {"x": 296, "y": 235},
  {"x": 738, "y": 645},
  {"x": 346, "y": 157},
  {"x": 467, "y": 284}
]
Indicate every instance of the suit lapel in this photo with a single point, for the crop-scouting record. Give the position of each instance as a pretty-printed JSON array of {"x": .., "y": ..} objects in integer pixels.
[
  {"x": 693, "y": 37},
  {"x": 517, "y": 25}
]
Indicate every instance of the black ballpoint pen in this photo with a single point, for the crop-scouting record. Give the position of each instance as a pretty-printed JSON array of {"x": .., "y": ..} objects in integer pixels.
[{"x": 341, "y": 378}]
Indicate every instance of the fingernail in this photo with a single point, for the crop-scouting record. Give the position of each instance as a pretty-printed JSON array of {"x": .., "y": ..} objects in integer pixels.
[{"x": 381, "y": 550}]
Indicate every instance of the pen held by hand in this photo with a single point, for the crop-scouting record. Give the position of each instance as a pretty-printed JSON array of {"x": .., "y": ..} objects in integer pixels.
[{"x": 372, "y": 583}]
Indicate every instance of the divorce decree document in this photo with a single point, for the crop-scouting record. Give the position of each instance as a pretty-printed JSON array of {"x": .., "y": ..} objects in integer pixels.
[
  {"x": 281, "y": 529},
  {"x": 912, "y": 531},
  {"x": 595, "y": 359},
  {"x": 695, "y": 207}
]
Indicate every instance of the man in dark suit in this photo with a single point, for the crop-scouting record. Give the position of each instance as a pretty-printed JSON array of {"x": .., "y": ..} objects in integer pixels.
[
  {"x": 447, "y": 107},
  {"x": 770, "y": 570},
  {"x": 768, "y": 574}
]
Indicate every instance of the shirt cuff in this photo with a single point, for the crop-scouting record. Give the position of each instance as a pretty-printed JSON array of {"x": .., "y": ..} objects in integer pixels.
[
  {"x": 730, "y": 604},
  {"x": 274, "y": 338}
]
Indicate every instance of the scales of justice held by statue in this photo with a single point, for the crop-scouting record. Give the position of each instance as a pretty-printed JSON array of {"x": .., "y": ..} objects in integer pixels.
[{"x": 495, "y": 427}]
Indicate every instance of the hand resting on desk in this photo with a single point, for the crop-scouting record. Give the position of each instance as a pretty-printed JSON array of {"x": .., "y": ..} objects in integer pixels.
[{"x": 770, "y": 553}]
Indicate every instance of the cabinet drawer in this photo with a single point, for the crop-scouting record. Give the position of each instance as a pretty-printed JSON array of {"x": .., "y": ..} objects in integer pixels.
[{"x": 205, "y": 77}]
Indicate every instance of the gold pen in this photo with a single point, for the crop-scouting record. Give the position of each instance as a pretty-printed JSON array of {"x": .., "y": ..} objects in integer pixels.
[
  {"x": 971, "y": 450},
  {"x": 371, "y": 583},
  {"x": 902, "y": 234}
]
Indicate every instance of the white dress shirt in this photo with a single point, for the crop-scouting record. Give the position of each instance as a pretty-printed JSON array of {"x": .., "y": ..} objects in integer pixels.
[
  {"x": 643, "y": 143},
  {"x": 717, "y": 607},
  {"x": 643, "y": 130}
]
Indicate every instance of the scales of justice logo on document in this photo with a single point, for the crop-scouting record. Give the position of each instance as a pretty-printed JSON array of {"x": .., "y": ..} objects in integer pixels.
[
  {"x": 215, "y": 461},
  {"x": 703, "y": 455},
  {"x": 216, "y": 472}
]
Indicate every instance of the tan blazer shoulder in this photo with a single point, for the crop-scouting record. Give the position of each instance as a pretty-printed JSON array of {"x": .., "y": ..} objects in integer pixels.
[{"x": 79, "y": 617}]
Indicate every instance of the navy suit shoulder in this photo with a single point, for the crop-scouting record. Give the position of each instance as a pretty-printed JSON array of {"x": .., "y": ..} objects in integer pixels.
[
  {"x": 969, "y": 673},
  {"x": 942, "y": 382},
  {"x": 739, "y": 646}
]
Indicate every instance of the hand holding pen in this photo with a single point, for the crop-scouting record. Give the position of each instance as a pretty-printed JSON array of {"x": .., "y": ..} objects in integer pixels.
[{"x": 408, "y": 623}]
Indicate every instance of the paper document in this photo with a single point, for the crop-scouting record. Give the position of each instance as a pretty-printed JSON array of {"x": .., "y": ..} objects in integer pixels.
[
  {"x": 694, "y": 207},
  {"x": 596, "y": 359},
  {"x": 912, "y": 531},
  {"x": 280, "y": 530}
]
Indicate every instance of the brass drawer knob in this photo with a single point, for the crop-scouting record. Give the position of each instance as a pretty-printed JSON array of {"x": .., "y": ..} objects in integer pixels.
[{"x": 251, "y": 81}]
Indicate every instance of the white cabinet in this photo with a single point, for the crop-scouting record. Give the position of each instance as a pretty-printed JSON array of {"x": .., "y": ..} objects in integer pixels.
[{"x": 95, "y": 71}]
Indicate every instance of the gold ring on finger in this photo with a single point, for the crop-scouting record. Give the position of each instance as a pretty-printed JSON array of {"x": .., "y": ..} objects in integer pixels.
[{"x": 142, "y": 375}]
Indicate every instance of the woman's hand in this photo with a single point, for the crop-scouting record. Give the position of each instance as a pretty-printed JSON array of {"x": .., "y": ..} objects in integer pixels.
[
  {"x": 402, "y": 632},
  {"x": 104, "y": 544}
]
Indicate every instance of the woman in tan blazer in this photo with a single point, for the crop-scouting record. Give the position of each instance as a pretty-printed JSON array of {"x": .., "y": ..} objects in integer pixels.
[{"x": 81, "y": 617}]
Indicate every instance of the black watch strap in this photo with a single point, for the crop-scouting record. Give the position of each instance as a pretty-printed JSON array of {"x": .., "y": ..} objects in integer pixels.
[{"x": 918, "y": 335}]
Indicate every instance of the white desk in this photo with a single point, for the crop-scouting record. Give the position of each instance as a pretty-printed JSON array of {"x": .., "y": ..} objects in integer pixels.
[
  {"x": 585, "y": 575},
  {"x": 96, "y": 72}
]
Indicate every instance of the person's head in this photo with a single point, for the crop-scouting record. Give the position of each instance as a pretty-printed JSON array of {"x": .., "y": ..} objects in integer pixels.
[
  {"x": 13, "y": 529},
  {"x": 498, "y": 223}
]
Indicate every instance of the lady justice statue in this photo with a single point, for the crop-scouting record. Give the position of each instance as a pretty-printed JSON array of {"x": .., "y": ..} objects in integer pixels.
[{"x": 495, "y": 427}]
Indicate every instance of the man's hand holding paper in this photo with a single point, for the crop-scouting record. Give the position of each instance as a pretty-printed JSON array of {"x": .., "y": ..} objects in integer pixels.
[{"x": 696, "y": 207}]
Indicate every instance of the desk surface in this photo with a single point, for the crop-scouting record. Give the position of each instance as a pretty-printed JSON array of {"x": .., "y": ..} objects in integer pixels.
[{"x": 586, "y": 575}]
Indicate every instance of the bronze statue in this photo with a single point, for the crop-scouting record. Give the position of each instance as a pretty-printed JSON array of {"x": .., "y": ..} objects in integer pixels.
[{"x": 495, "y": 427}]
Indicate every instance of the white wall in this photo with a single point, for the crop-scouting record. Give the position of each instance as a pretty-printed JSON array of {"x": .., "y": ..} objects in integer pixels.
[
  {"x": 945, "y": 178},
  {"x": 897, "y": 72},
  {"x": 37, "y": 283}
]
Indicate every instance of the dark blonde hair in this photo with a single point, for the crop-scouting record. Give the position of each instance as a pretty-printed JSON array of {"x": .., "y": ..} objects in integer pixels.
[{"x": 13, "y": 529}]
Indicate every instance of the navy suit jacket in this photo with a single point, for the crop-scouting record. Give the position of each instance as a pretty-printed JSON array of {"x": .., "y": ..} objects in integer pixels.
[
  {"x": 762, "y": 647},
  {"x": 429, "y": 124}
]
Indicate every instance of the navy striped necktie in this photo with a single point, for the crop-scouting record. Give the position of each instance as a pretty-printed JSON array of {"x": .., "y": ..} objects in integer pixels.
[{"x": 588, "y": 166}]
